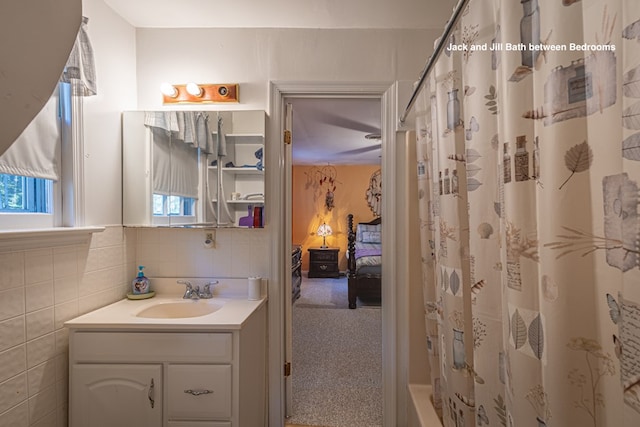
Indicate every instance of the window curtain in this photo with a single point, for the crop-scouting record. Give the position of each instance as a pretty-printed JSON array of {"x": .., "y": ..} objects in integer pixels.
[
  {"x": 528, "y": 173},
  {"x": 80, "y": 70},
  {"x": 35, "y": 152},
  {"x": 176, "y": 138}
]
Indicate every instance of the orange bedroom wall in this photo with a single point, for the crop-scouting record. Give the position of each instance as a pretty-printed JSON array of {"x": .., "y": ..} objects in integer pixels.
[{"x": 309, "y": 211}]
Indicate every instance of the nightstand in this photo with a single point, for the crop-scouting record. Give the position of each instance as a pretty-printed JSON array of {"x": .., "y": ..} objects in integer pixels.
[{"x": 323, "y": 262}]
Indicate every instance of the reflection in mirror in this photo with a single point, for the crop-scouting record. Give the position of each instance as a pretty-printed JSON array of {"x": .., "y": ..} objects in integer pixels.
[
  {"x": 237, "y": 173},
  {"x": 170, "y": 168}
]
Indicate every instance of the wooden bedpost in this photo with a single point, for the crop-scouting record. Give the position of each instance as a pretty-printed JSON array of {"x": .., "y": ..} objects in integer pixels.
[{"x": 351, "y": 263}]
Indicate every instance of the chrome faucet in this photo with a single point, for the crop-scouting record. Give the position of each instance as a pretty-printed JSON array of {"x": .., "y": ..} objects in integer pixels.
[
  {"x": 190, "y": 292},
  {"x": 206, "y": 292},
  {"x": 195, "y": 292}
]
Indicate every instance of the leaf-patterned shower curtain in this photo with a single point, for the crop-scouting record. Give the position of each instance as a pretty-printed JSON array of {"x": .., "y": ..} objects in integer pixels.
[{"x": 528, "y": 137}]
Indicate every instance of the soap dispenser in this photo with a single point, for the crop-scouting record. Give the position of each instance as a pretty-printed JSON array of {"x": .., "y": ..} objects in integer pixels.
[{"x": 140, "y": 284}]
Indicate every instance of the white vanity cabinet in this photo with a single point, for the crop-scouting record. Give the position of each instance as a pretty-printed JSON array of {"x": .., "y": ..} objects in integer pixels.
[
  {"x": 167, "y": 376},
  {"x": 135, "y": 390}
]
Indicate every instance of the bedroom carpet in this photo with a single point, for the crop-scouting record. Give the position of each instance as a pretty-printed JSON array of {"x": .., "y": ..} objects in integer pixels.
[{"x": 337, "y": 358}]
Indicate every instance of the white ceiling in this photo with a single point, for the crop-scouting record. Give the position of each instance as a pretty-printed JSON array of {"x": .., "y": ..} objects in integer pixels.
[
  {"x": 324, "y": 130},
  {"x": 333, "y": 130},
  {"x": 409, "y": 14}
]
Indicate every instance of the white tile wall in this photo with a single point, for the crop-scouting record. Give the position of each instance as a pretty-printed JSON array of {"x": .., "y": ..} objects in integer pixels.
[
  {"x": 237, "y": 253},
  {"x": 39, "y": 290}
]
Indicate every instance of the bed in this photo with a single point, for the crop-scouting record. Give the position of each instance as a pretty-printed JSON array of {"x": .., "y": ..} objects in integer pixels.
[{"x": 364, "y": 261}]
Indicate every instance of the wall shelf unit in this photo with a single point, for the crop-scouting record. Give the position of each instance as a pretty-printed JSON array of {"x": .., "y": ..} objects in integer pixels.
[{"x": 242, "y": 171}]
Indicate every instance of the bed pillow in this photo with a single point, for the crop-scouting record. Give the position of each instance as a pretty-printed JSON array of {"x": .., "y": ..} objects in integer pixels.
[
  {"x": 361, "y": 228},
  {"x": 371, "y": 237}
]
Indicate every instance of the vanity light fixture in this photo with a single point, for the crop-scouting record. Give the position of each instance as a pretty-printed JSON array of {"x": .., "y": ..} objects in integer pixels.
[{"x": 193, "y": 93}]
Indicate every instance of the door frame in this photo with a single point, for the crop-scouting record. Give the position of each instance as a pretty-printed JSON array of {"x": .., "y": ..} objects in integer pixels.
[{"x": 278, "y": 213}]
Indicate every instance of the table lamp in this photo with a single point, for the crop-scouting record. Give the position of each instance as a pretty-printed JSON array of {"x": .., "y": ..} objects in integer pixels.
[{"x": 324, "y": 230}]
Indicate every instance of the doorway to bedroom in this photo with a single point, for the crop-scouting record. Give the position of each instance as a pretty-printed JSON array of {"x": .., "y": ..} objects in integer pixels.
[{"x": 336, "y": 375}]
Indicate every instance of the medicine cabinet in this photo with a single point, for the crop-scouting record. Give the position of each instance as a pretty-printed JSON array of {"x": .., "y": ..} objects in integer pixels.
[{"x": 193, "y": 168}]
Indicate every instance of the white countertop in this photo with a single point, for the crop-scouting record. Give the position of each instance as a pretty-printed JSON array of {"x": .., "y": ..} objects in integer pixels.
[{"x": 122, "y": 314}]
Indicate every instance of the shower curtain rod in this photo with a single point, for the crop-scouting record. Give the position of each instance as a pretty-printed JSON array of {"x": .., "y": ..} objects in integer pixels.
[{"x": 455, "y": 17}]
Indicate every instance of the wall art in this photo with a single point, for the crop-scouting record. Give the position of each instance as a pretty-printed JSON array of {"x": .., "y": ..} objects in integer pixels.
[
  {"x": 323, "y": 181},
  {"x": 373, "y": 194}
]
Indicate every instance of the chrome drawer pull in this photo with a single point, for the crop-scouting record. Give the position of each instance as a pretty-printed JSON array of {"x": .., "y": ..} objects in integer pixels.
[
  {"x": 323, "y": 267},
  {"x": 151, "y": 394},
  {"x": 198, "y": 392}
]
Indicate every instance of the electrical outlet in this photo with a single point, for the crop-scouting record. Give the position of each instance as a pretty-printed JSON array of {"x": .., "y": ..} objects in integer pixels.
[{"x": 209, "y": 242}]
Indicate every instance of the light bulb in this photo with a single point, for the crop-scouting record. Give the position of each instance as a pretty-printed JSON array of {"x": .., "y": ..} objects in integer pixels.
[
  {"x": 168, "y": 90},
  {"x": 194, "y": 89}
]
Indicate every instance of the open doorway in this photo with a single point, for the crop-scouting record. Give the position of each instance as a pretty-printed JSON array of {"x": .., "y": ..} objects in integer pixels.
[
  {"x": 279, "y": 211},
  {"x": 335, "y": 172}
]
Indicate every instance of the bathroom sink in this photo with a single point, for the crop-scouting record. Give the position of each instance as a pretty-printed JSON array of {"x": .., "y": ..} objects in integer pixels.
[{"x": 181, "y": 309}]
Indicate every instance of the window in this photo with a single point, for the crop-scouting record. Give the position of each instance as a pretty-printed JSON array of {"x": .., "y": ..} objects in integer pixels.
[
  {"x": 31, "y": 173},
  {"x": 22, "y": 194},
  {"x": 30, "y": 195},
  {"x": 164, "y": 205}
]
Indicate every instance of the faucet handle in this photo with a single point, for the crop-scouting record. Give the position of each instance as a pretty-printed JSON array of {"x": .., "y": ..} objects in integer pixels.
[
  {"x": 185, "y": 282},
  {"x": 206, "y": 292},
  {"x": 189, "y": 292}
]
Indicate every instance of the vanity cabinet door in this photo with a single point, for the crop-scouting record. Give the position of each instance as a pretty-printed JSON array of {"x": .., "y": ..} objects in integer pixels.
[{"x": 116, "y": 395}]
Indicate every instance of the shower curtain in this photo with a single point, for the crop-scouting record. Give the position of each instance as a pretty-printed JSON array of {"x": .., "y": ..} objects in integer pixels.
[{"x": 528, "y": 138}]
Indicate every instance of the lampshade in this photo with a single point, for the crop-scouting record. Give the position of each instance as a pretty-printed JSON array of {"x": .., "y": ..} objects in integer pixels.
[{"x": 324, "y": 230}]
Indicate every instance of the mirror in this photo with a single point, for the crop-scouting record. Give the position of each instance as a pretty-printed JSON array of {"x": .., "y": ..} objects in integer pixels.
[{"x": 193, "y": 168}]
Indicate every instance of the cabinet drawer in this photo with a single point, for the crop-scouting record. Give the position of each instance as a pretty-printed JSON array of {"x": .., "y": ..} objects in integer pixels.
[
  {"x": 151, "y": 347},
  {"x": 321, "y": 255},
  {"x": 198, "y": 392},
  {"x": 321, "y": 267}
]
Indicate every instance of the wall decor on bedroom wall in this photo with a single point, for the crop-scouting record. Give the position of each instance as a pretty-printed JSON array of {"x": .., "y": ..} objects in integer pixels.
[
  {"x": 374, "y": 193},
  {"x": 324, "y": 182},
  {"x": 309, "y": 210}
]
